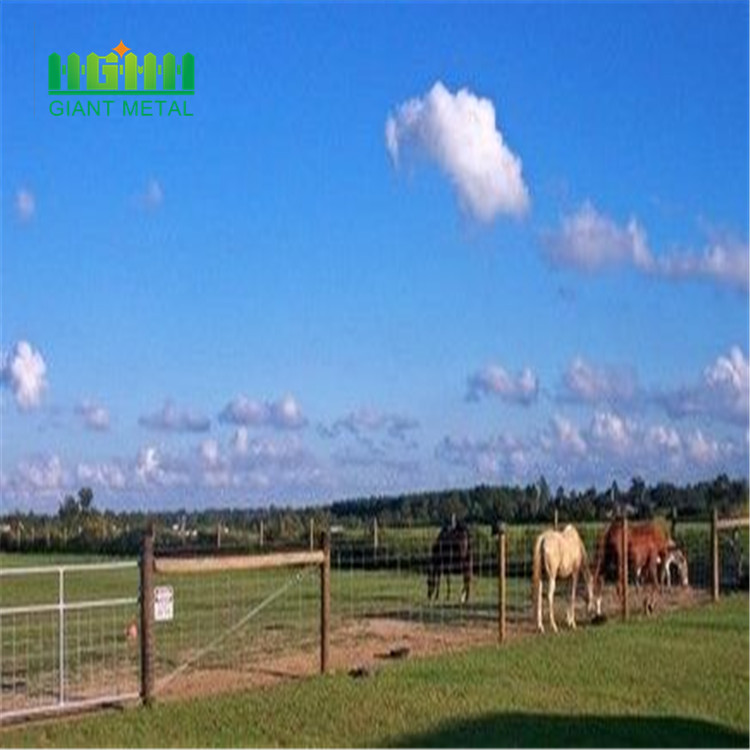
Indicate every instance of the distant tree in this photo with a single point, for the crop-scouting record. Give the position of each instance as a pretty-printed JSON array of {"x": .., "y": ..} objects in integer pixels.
[
  {"x": 86, "y": 500},
  {"x": 69, "y": 511}
]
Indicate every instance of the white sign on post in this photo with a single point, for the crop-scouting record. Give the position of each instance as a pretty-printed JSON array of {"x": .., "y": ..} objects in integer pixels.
[{"x": 163, "y": 603}]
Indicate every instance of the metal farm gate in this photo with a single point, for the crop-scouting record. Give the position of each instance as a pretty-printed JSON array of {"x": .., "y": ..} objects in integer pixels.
[{"x": 68, "y": 637}]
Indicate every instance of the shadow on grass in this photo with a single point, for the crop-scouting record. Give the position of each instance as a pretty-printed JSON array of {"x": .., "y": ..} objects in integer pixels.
[{"x": 542, "y": 730}]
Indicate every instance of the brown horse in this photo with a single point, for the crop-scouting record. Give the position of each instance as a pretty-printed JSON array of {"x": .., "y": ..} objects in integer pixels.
[
  {"x": 451, "y": 553},
  {"x": 648, "y": 546}
]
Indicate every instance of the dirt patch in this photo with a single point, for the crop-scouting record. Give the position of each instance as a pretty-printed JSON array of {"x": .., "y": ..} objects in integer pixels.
[{"x": 365, "y": 645}]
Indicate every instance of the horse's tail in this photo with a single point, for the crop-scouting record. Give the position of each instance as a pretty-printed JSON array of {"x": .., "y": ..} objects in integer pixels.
[{"x": 536, "y": 578}]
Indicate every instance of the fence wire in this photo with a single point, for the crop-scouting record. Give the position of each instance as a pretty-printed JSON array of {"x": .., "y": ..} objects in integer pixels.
[
  {"x": 65, "y": 638},
  {"x": 236, "y": 627},
  {"x": 246, "y": 627}
]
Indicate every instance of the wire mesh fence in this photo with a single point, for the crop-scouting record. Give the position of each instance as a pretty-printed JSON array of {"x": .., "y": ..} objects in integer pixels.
[
  {"x": 237, "y": 627},
  {"x": 80, "y": 641},
  {"x": 64, "y": 638}
]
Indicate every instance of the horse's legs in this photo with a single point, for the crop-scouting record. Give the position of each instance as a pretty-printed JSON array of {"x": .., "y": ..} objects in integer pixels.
[
  {"x": 551, "y": 602},
  {"x": 653, "y": 566},
  {"x": 571, "y": 618},
  {"x": 539, "y": 607}
]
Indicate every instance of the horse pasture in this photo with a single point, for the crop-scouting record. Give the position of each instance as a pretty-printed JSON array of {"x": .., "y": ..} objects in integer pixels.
[{"x": 679, "y": 680}]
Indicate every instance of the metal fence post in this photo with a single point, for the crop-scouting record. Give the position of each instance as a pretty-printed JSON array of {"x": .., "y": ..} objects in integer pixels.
[
  {"x": 715, "y": 555},
  {"x": 624, "y": 567},
  {"x": 147, "y": 617},
  {"x": 501, "y": 558},
  {"x": 325, "y": 602},
  {"x": 61, "y": 631}
]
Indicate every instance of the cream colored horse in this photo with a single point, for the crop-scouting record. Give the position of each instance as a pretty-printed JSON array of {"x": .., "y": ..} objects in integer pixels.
[{"x": 563, "y": 555}]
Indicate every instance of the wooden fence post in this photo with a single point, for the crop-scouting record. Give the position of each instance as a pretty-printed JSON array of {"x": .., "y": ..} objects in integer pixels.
[
  {"x": 325, "y": 602},
  {"x": 501, "y": 558},
  {"x": 375, "y": 534},
  {"x": 312, "y": 534},
  {"x": 715, "y": 555},
  {"x": 624, "y": 567},
  {"x": 556, "y": 518},
  {"x": 261, "y": 533},
  {"x": 147, "y": 617}
]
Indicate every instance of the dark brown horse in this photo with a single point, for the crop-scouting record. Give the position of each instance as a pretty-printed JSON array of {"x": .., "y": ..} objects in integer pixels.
[
  {"x": 648, "y": 547},
  {"x": 451, "y": 553}
]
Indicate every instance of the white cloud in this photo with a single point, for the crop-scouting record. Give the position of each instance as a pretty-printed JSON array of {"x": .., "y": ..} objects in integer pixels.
[
  {"x": 24, "y": 204},
  {"x": 722, "y": 393},
  {"x": 702, "y": 449},
  {"x": 495, "y": 380},
  {"x": 568, "y": 437},
  {"x": 611, "y": 432},
  {"x": 24, "y": 371},
  {"x": 460, "y": 134},
  {"x": 109, "y": 476},
  {"x": 727, "y": 381},
  {"x": 285, "y": 414},
  {"x": 586, "y": 383},
  {"x": 590, "y": 241},
  {"x": 209, "y": 452},
  {"x": 727, "y": 264},
  {"x": 240, "y": 440},
  {"x": 660, "y": 438},
  {"x": 244, "y": 411},
  {"x": 500, "y": 457},
  {"x": 42, "y": 475},
  {"x": 171, "y": 419},
  {"x": 367, "y": 421},
  {"x": 95, "y": 417},
  {"x": 155, "y": 469}
]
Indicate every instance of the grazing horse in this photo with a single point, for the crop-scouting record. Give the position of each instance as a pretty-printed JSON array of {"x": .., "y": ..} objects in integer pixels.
[
  {"x": 563, "y": 555},
  {"x": 648, "y": 546},
  {"x": 451, "y": 553}
]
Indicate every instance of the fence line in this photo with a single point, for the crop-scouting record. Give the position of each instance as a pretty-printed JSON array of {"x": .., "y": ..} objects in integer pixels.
[
  {"x": 371, "y": 585},
  {"x": 52, "y": 681},
  {"x": 202, "y": 566}
]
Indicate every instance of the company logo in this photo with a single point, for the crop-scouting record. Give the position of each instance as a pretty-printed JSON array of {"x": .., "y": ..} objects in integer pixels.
[{"x": 103, "y": 74}]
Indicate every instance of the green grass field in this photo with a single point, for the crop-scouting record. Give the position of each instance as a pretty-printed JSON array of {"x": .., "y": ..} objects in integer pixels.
[
  {"x": 680, "y": 680},
  {"x": 223, "y": 620}
]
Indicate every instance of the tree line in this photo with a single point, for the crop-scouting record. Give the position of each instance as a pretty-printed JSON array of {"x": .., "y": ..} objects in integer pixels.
[{"x": 79, "y": 526}]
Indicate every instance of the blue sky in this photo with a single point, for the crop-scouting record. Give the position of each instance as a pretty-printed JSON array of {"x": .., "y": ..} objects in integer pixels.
[{"x": 396, "y": 246}]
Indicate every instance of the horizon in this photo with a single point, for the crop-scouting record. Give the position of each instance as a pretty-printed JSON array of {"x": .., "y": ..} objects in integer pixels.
[{"x": 394, "y": 248}]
